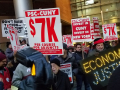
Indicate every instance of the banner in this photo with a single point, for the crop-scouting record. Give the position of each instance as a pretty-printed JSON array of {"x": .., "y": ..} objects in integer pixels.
[
  {"x": 14, "y": 39},
  {"x": 98, "y": 69},
  {"x": 110, "y": 32},
  {"x": 67, "y": 68},
  {"x": 96, "y": 28},
  {"x": 44, "y": 30},
  {"x": 16, "y": 23},
  {"x": 68, "y": 40},
  {"x": 81, "y": 30},
  {"x": 92, "y": 31}
]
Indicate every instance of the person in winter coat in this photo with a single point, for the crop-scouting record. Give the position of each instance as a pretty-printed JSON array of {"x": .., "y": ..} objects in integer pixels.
[
  {"x": 99, "y": 47},
  {"x": 61, "y": 80},
  {"x": 23, "y": 42},
  {"x": 10, "y": 59},
  {"x": 80, "y": 77},
  {"x": 70, "y": 49},
  {"x": 68, "y": 58},
  {"x": 21, "y": 73},
  {"x": 9, "y": 52},
  {"x": 41, "y": 77},
  {"x": 4, "y": 72}
]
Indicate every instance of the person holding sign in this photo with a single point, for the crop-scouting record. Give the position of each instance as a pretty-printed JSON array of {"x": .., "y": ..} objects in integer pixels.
[
  {"x": 99, "y": 46},
  {"x": 61, "y": 80},
  {"x": 80, "y": 77},
  {"x": 67, "y": 57}
]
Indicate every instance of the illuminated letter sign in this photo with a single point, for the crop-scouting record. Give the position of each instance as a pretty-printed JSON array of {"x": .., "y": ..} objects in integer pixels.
[{"x": 98, "y": 69}]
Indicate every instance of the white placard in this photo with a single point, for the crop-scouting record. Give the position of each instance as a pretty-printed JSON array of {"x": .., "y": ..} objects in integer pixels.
[
  {"x": 14, "y": 39},
  {"x": 44, "y": 30},
  {"x": 110, "y": 32},
  {"x": 67, "y": 68},
  {"x": 16, "y": 23},
  {"x": 68, "y": 40}
]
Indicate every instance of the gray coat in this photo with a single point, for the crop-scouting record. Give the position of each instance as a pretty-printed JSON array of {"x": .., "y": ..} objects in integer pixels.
[
  {"x": 9, "y": 54},
  {"x": 94, "y": 52},
  {"x": 70, "y": 59},
  {"x": 20, "y": 73}
]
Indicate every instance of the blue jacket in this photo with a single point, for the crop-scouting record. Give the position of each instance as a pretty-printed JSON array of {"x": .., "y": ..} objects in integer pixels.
[
  {"x": 1, "y": 85},
  {"x": 79, "y": 57}
]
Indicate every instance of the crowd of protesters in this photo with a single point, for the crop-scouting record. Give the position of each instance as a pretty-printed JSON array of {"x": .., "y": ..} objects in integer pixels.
[{"x": 12, "y": 72}]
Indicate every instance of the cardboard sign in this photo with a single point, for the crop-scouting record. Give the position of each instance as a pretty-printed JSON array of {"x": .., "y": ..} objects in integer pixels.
[
  {"x": 67, "y": 68},
  {"x": 92, "y": 31},
  {"x": 14, "y": 39},
  {"x": 96, "y": 28},
  {"x": 81, "y": 30},
  {"x": 16, "y": 23},
  {"x": 110, "y": 32},
  {"x": 68, "y": 40},
  {"x": 98, "y": 69},
  {"x": 44, "y": 30}
]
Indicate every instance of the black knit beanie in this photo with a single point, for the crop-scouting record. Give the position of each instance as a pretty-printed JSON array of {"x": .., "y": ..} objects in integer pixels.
[
  {"x": 7, "y": 44},
  {"x": 56, "y": 61},
  {"x": 64, "y": 46}
]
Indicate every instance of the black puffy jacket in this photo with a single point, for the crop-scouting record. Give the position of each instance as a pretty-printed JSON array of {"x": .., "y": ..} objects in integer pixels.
[{"x": 43, "y": 78}]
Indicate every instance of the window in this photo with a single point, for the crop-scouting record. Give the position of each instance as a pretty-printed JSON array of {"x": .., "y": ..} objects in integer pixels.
[
  {"x": 72, "y": 1},
  {"x": 109, "y": 7},
  {"x": 73, "y": 6},
  {"x": 74, "y": 14},
  {"x": 110, "y": 15}
]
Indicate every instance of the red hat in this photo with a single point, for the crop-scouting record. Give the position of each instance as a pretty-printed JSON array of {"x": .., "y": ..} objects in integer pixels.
[
  {"x": 98, "y": 40},
  {"x": 2, "y": 57}
]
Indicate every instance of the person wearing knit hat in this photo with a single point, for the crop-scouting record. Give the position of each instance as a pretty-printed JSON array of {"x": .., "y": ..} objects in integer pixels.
[
  {"x": 4, "y": 72},
  {"x": 9, "y": 52},
  {"x": 98, "y": 45},
  {"x": 68, "y": 57},
  {"x": 10, "y": 58},
  {"x": 61, "y": 80},
  {"x": 64, "y": 46},
  {"x": 3, "y": 61},
  {"x": 70, "y": 49}
]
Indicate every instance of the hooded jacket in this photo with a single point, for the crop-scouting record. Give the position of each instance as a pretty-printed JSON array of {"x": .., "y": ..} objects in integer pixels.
[{"x": 20, "y": 74}]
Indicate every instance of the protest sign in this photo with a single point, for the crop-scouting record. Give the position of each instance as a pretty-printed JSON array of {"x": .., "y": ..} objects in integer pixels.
[
  {"x": 67, "y": 68},
  {"x": 44, "y": 30},
  {"x": 96, "y": 28},
  {"x": 14, "y": 39},
  {"x": 92, "y": 31},
  {"x": 16, "y": 23},
  {"x": 81, "y": 31},
  {"x": 98, "y": 69},
  {"x": 68, "y": 40},
  {"x": 110, "y": 32}
]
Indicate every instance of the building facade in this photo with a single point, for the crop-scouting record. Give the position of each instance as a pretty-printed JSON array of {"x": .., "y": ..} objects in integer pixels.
[
  {"x": 107, "y": 11},
  {"x": 7, "y": 11}
]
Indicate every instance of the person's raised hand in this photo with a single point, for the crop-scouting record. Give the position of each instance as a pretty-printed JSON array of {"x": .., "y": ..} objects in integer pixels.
[{"x": 15, "y": 53}]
